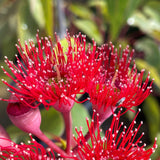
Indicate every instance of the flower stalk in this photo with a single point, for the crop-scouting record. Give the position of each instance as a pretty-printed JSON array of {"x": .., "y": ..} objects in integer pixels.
[
  {"x": 51, "y": 144},
  {"x": 68, "y": 125}
]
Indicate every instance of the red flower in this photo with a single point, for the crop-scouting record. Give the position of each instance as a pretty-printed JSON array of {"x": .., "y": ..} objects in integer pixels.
[
  {"x": 33, "y": 151},
  {"x": 119, "y": 86},
  {"x": 119, "y": 142},
  {"x": 50, "y": 75}
]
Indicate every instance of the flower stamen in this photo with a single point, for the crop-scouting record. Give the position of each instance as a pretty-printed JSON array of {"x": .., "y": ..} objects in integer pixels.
[
  {"x": 58, "y": 72},
  {"x": 114, "y": 78}
]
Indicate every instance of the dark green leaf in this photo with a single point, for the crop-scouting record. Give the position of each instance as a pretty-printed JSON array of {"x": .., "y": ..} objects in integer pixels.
[{"x": 152, "y": 113}]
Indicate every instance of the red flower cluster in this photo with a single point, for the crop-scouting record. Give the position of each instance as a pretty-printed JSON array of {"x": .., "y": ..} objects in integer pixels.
[
  {"x": 52, "y": 75},
  {"x": 120, "y": 86},
  {"x": 47, "y": 74},
  {"x": 32, "y": 151},
  {"x": 118, "y": 143}
]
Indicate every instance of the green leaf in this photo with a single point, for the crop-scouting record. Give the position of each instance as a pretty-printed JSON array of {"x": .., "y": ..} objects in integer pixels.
[
  {"x": 119, "y": 11},
  {"x": 90, "y": 28},
  {"x": 151, "y": 50},
  {"x": 101, "y": 6},
  {"x": 139, "y": 20},
  {"x": 141, "y": 64},
  {"x": 151, "y": 111},
  {"x": 132, "y": 5},
  {"x": 148, "y": 21},
  {"x": 48, "y": 15},
  {"x": 17, "y": 135},
  {"x": 52, "y": 122},
  {"x": 79, "y": 114},
  {"x": 27, "y": 27},
  {"x": 37, "y": 12},
  {"x": 151, "y": 13},
  {"x": 81, "y": 11},
  {"x": 154, "y": 4}
]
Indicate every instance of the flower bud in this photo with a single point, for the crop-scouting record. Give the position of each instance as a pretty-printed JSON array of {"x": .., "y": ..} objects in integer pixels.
[{"x": 26, "y": 118}]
